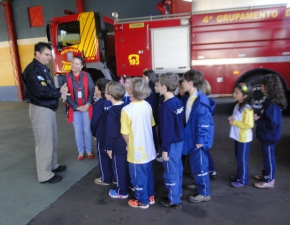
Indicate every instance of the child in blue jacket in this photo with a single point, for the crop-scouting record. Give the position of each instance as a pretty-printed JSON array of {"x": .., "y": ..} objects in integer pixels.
[
  {"x": 199, "y": 133},
  {"x": 98, "y": 128},
  {"x": 172, "y": 135},
  {"x": 269, "y": 125},
  {"x": 115, "y": 143}
]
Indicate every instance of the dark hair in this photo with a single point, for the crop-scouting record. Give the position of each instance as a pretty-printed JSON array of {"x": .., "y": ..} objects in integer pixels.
[
  {"x": 151, "y": 75},
  {"x": 40, "y": 46},
  {"x": 81, "y": 59},
  {"x": 101, "y": 84},
  {"x": 275, "y": 90},
  {"x": 246, "y": 89},
  {"x": 195, "y": 76}
]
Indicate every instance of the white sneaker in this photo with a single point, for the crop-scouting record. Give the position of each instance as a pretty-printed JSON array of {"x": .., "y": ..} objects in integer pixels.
[{"x": 100, "y": 182}]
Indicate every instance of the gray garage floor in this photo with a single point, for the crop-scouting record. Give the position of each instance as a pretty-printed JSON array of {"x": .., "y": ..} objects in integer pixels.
[{"x": 77, "y": 200}]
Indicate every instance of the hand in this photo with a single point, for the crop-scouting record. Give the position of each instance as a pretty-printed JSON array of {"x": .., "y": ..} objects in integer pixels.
[
  {"x": 165, "y": 156},
  {"x": 256, "y": 117},
  {"x": 199, "y": 145},
  {"x": 109, "y": 152},
  {"x": 64, "y": 92},
  {"x": 231, "y": 121}
]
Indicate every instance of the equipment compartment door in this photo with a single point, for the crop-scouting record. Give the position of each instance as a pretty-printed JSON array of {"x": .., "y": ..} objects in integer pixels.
[
  {"x": 132, "y": 48},
  {"x": 171, "y": 49}
]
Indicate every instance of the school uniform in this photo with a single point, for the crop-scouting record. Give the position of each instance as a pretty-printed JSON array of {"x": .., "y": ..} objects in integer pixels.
[
  {"x": 116, "y": 143},
  {"x": 136, "y": 122},
  {"x": 172, "y": 135},
  {"x": 199, "y": 130},
  {"x": 241, "y": 132},
  {"x": 268, "y": 132},
  {"x": 98, "y": 128}
]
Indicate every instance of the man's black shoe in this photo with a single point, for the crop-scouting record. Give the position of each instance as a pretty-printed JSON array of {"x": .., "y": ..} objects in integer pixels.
[
  {"x": 54, "y": 179},
  {"x": 59, "y": 169},
  {"x": 169, "y": 204}
]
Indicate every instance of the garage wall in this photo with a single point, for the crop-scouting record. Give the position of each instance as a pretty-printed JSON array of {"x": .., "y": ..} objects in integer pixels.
[{"x": 28, "y": 36}]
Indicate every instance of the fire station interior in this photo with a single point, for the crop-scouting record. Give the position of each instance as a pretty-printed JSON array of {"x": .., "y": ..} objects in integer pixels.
[{"x": 76, "y": 199}]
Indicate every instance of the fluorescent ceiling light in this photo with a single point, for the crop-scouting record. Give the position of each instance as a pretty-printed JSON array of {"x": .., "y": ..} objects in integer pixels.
[{"x": 187, "y": 0}]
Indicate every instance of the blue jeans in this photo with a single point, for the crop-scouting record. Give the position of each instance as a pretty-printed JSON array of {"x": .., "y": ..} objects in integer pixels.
[{"x": 83, "y": 131}]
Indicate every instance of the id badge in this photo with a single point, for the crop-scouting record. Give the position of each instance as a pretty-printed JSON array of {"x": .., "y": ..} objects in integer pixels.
[{"x": 79, "y": 94}]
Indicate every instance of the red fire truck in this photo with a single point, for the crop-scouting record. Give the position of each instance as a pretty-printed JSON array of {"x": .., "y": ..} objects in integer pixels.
[
  {"x": 228, "y": 46},
  {"x": 88, "y": 34}
]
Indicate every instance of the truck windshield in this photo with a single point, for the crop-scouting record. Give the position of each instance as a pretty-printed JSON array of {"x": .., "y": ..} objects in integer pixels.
[{"x": 68, "y": 34}]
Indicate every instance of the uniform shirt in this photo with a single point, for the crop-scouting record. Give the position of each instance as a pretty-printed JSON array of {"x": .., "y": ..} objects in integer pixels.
[
  {"x": 171, "y": 123},
  {"x": 243, "y": 122},
  {"x": 114, "y": 139},
  {"x": 136, "y": 122},
  {"x": 189, "y": 104}
]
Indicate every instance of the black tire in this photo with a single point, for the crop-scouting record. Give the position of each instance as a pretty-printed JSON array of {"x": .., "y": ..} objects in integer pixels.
[
  {"x": 258, "y": 96},
  {"x": 95, "y": 74}
]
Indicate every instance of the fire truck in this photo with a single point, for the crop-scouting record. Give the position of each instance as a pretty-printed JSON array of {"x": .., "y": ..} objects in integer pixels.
[
  {"x": 228, "y": 42},
  {"x": 88, "y": 34}
]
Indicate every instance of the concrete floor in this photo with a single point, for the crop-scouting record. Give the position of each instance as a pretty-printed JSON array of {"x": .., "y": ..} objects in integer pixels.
[{"x": 77, "y": 200}]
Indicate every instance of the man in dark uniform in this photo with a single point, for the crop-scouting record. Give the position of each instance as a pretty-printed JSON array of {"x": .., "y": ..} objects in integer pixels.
[{"x": 41, "y": 93}]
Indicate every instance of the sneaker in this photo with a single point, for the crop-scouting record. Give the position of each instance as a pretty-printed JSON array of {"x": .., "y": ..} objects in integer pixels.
[
  {"x": 198, "y": 198},
  {"x": 265, "y": 185},
  {"x": 136, "y": 204},
  {"x": 233, "y": 178},
  {"x": 99, "y": 181},
  {"x": 81, "y": 157},
  {"x": 191, "y": 187},
  {"x": 258, "y": 177},
  {"x": 114, "y": 194},
  {"x": 236, "y": 184},
  {"x": 152, "y": 200},
  {"x": 213, "y": 175},
  {"x": 159, "y": 159},
  {"x": 167, "y": 203}
]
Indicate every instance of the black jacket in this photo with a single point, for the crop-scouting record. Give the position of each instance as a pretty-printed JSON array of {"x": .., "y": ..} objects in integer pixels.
[{"x": 39, "y": 86}]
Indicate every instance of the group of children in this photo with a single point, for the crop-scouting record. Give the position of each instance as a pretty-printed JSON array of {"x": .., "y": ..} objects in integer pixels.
[
  {"x": 123, "y": 125},
  {"x": 268, "y": 130}
]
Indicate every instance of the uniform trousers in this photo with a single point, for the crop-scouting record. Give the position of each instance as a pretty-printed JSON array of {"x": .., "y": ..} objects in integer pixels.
[
  {"x": 173, "y": 170},
  {"x": 142, "y": 180},
  {"x": 199, "y": 168},
  {"x": 242, "y": 155},
  {"x": 105, "y": 163},
  {"x": 120, "y": 168},
  {"x": 43, "y": 121},
  {"x": 269, "y": 162}
]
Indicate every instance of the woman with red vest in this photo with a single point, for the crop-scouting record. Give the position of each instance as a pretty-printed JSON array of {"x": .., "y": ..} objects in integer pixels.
[{"x": 81, "y": 88}]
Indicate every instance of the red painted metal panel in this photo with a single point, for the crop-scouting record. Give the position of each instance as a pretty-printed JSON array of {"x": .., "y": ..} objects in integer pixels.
[{"x": 36, "y": 16}]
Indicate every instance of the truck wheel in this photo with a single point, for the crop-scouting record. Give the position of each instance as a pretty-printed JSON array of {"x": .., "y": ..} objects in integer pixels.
[
  {"x": 95, "y": 74},
  {"x": 257, "y": 94}
]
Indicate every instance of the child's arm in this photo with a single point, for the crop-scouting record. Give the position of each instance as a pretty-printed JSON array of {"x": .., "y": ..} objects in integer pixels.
[
  {"x": 271, "y": 118},
  {"x": 166, "y": 130},
  {"x": 113, "y": 131},
  {"x": 97, "y": 114},
  {"x": 125, "y": 127},
  {"x": 203, "y": 121},
  {"x": 247, "y": 120}
]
